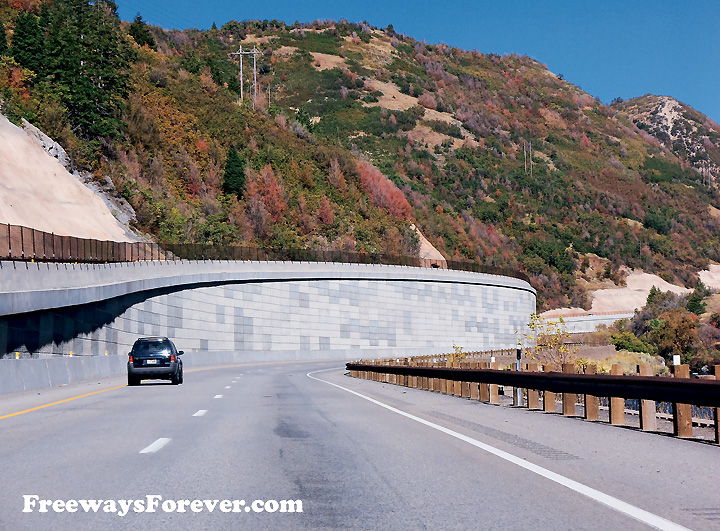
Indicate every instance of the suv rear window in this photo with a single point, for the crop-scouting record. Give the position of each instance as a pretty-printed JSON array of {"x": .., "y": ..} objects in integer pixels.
[{"x": 152, "y": 348}]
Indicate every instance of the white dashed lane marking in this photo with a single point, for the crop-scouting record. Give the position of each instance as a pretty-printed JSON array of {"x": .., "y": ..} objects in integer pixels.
[
  {"x": 154, "y": 447},
  {"x": 200, "y": 413},
  {"x": 218, "y": 396}
]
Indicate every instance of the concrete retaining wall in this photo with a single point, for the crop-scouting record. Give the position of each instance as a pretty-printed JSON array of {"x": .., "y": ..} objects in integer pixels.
[
  {"x": 223, "y": 312},
  {"x": 588, "y": 323}
]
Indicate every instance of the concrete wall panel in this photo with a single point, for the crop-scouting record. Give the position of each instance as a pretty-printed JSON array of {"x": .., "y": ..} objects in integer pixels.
[{"x": 221, "y": 312}]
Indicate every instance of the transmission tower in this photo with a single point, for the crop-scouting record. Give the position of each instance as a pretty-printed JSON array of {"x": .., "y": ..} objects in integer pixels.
[{"x": 254, "y": 52}]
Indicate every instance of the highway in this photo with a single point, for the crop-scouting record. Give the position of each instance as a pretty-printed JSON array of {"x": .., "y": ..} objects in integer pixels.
[{"x": 356, "y": 455}]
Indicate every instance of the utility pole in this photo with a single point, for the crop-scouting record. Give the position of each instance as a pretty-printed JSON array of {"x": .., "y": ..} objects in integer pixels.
[{"x": 254, "y": 52}]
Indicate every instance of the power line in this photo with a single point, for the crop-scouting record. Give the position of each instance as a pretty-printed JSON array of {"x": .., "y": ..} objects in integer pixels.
[{"x": 254, "y": 52}]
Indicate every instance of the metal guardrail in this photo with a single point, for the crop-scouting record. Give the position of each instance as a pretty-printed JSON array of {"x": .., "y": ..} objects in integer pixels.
[
  {"x": 481, "y": 380},
  {"x": 657, "y": 388},
  {"x": 27, "y": 244}
]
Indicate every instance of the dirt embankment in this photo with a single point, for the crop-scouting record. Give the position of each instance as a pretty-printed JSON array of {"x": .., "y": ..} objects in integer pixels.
[{"x": 37, "y": 191}]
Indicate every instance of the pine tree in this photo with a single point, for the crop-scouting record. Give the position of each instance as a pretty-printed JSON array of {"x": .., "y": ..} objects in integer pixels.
[
  {"x": 3, "y": 43},
  {"x": 88, "y": 59},
  {"x": 234, "y": 178},
  {"x": 27, "y": 42},
  {"x": 139, "y": 31},
  {"x": 695, "y": 302}
]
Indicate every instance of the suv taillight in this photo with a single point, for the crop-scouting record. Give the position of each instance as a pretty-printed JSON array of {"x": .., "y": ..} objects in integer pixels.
[
  {"x": 130, "y": 360},
  {"x": 172, "y": 357}
]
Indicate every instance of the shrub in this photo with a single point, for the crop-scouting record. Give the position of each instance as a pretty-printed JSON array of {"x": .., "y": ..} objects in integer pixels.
[
  {"x": 382, "y": 192},
  {"x": 628, "y": 341}
]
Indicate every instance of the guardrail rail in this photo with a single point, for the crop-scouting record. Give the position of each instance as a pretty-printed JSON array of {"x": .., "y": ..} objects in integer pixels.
[{"x": 479, "y": 380}]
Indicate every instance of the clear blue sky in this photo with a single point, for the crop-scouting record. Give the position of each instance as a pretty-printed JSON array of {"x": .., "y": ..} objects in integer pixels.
[{"x": 609, "y": 48}]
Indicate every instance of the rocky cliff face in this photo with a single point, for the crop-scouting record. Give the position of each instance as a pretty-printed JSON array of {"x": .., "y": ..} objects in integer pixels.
[{"x": 691, "y": 136}]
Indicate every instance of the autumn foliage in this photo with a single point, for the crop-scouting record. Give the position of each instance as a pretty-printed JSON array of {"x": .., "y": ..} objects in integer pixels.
[
  {"x": 268, "y": 187},
  {"x": 382, "y": 191}
]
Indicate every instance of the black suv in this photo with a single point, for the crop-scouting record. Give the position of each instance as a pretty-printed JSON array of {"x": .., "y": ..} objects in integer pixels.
[{"x": 154, "y": 358}]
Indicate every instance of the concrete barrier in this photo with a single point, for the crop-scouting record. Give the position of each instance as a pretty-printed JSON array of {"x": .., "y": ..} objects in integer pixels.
[{"x": 29, "y": 374}]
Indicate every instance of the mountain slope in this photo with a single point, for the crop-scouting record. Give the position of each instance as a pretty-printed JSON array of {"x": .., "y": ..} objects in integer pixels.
[
  {"x": 358, "y": 133},
  {"x": 690, "y": 135}
]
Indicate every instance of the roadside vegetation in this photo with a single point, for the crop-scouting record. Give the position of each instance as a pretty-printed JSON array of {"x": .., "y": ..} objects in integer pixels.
[
  {"x": 670, "y": 325},
  {"x": 356, "y": 133}
]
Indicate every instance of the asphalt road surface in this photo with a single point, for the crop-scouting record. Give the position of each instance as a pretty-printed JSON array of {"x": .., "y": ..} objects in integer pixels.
[{"x": 272, "y": 439}]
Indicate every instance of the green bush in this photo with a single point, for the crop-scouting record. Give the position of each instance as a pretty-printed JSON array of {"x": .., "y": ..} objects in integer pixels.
[{"x": 628, "y": 341}]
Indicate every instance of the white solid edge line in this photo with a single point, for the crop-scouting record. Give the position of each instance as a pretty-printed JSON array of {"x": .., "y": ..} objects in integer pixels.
[
  {"x": 200, "y": 413},
  {"x": 642, "y": 515},
  {"x": 154, "y": 447},
  {"x": 218, "y": 396}
]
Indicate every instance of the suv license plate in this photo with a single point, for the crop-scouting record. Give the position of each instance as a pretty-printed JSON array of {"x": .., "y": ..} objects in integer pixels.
[{"x": 150, "y": 362}]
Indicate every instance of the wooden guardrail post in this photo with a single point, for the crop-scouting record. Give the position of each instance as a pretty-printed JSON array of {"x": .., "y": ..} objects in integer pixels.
[
  {"x": 456, "y": 384},
  {"x": 474, "y": 386},
  {"x": 494, "y": 398},
  {"x": 592, "y": 403},
  {"x": 716, "y": 410},
  {"x": 447, "y": 385},
  {"x": 465, "y": 386},
  {"x": 483, "y": 388},
  {"x": 568, "y": 399},
  {"x": 617, "y": 405},
  {"x": 533, "y": 395},
  {"x": 648, "y": 420},
  {"x": 548, "y": 396},
  {"x": 682, "y": 413}
]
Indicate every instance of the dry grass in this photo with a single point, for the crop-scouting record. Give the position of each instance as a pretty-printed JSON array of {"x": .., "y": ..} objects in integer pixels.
[
  {"x": 630, "y": 361},
  {"x": 324, "y": 61}
]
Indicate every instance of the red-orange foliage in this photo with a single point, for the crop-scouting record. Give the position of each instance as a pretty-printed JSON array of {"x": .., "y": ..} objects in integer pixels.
[
  {"x": 269, "y": 188},
  {"x": 427, "y": 100},
  {"x": 336, "y": 177},
  {"x": 325, "y": 213},
  {"x": 382, "y": 192}
]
